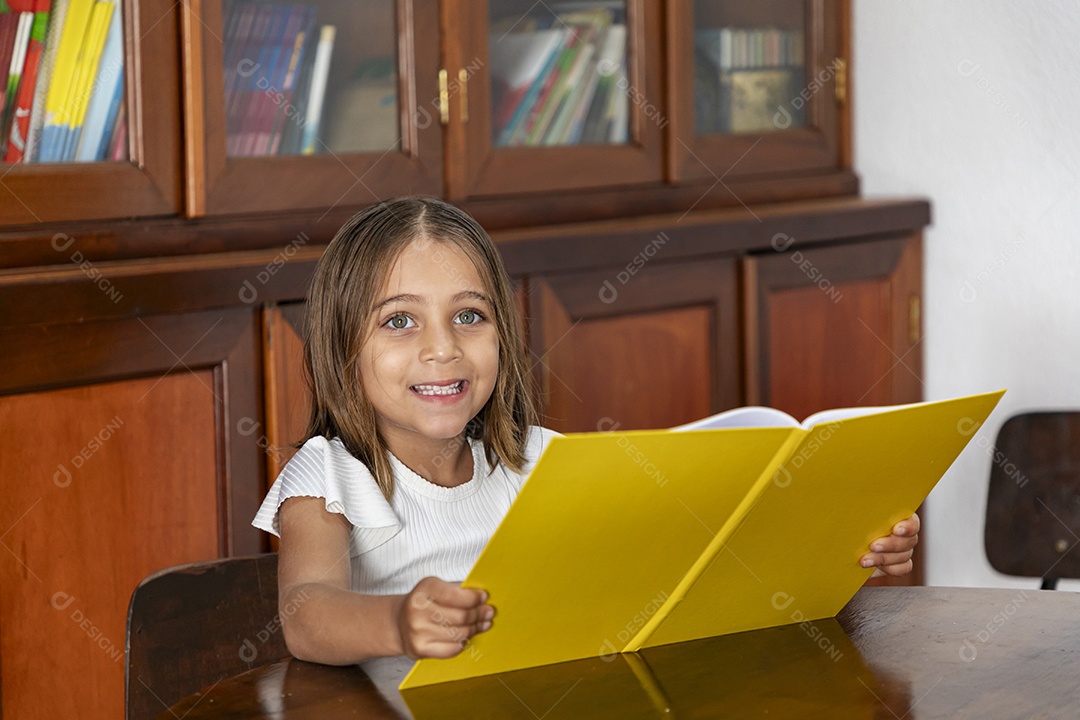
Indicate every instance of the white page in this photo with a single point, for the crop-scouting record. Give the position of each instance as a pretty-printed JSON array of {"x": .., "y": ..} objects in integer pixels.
[
  {"x": 744, "y": 417},
  {"x": 830, "y": 416}
]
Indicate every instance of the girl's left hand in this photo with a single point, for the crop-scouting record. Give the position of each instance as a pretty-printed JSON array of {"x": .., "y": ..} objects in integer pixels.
[{"x": 892, "y": 555}]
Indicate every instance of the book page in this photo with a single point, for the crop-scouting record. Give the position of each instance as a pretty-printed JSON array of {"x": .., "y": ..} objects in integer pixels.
[
  {"x": 831, "y": 416},
  {"x": 744, "y": 417}
]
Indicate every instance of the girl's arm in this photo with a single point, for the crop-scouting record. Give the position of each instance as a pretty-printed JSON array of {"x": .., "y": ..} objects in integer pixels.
[{"x": 326, "y": 622}]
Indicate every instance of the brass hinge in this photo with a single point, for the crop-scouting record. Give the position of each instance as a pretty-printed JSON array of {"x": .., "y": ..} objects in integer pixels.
[
  {"x": 444, "y": 98},
  {"x": 914, "y": 319},
  {"x": 841, "y": 81}
]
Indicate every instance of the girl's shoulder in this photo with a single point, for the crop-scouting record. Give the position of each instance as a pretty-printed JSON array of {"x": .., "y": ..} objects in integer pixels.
[{"x": 323, "y": 468}]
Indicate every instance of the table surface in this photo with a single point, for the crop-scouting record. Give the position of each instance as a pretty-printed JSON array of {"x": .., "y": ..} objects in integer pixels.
[{"x": 892, "y": 652}]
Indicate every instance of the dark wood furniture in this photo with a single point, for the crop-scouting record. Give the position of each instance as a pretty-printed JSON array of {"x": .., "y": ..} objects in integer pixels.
[
  {"x": 150, "y": 310},
  {"x": 192, "y": 626},
  {"x": 892, "y": 652},
  {"x": 1033, "y": 503}
]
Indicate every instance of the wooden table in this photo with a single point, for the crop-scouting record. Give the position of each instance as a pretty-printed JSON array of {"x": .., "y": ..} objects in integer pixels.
[{"x": 892, "y": 653}]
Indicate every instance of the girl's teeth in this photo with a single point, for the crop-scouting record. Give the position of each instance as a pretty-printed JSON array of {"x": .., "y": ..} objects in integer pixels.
[{"x": 438, "y": 389}]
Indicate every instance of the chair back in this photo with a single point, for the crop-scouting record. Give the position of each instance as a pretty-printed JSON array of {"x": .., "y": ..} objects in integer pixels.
[
  {"x": 189, "y": 626},
  {"x": 1033, "y": 506}
]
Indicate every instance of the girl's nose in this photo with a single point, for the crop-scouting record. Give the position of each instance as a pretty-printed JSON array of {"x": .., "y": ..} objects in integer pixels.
[{"x": 440, "y": 344}]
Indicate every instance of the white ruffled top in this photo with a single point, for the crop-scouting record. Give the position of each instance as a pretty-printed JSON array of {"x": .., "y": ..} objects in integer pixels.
[{"x": 426, "y": 530}]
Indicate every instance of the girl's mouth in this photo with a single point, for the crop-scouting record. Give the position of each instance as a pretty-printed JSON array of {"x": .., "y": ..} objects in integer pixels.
[{"x": 453, "y": 388}]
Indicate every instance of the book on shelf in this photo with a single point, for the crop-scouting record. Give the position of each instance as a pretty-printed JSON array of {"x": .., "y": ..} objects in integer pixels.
[
  {"x": 276, "y": 65},
  {"x": 620, "y": 541},
  {"x": 62, "y": 87},
  {"x": 557, "y": 74},
  {"x": 747, "y": 79},
  {"x": 83, "y": 83},
  {"x": 59, "y": 94},
  {"x": 317, "y": 94},
  {"x": 104, "y": 104},
  {"x": 13, "y": 46},
  {"x": 517, "y": 59}
]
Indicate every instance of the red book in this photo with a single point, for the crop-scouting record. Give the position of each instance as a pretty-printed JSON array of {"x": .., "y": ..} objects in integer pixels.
[{"x": 24, "y": 99}]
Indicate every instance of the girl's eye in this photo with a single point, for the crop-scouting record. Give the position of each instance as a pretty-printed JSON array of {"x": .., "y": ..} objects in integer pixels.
[
  {"x": 468, "y": 317},
  {"x": 400, "y": 322}
]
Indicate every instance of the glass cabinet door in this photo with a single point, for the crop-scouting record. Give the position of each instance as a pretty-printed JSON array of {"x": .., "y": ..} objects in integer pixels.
[
  {"x": 554, "y": 95},
  {"x": 764, "y": 89},
  {"x": 319, "y": 103},
  {"x": 89, "y": 110}
]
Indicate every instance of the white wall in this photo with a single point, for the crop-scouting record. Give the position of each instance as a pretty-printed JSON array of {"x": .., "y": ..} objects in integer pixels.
[{"x": 976, "y": 105}]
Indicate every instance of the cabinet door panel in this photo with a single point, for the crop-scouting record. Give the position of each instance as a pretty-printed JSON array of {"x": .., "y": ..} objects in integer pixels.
[
  {"x": 656, "y": 350},
  {"x": 288, "y": 400},
  {"x": 835, "y": 327},
  {"x": 126, "y": 446},
  {"x": 122, "y": 483}
]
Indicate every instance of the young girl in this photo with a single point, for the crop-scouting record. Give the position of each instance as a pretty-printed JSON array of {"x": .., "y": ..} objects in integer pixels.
[{"x": 421, "y": 435}]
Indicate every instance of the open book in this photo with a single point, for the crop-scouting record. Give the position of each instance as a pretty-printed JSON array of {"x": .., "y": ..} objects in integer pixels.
[{"x": 622, "y": 541}]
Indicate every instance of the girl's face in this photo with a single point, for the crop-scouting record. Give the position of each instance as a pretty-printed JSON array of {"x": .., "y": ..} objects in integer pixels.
[{"x": 429, "y": 363}]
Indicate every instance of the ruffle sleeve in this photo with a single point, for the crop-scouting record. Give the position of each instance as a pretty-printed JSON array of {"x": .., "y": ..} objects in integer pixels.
[{"x": 324, "y": 468}]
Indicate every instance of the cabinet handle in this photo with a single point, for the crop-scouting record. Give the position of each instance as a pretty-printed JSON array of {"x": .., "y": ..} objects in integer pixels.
[
  {"x": 444, "y": 98},
  {"x": 914, "y": 321},
  {"x": 841, "y": 81},
  {"x": 463, "y": 82}
]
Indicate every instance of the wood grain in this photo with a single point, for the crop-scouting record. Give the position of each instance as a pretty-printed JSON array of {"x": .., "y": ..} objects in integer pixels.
[
  {"x": 925, "y": 653},
  {"x": 93, "y": 502}
]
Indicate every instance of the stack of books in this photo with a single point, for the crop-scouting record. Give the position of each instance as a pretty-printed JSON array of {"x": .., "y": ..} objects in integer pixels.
[
  {"x": 61, "y": 81},
  {"x": 562, "y": 79},
  {"x": 277, "y": 60},
  {"x": 747, "y": 79}
]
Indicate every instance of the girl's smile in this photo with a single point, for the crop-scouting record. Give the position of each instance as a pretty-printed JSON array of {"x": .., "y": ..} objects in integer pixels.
[{"x": 449, "y": 391}]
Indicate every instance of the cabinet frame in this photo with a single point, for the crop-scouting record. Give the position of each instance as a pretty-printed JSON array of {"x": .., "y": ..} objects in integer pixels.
[
  {"x": 815, "y": 149},
  {"x": 149, "y": 183},
  {"x": 219, "y": 185},
  {"x": 476, "y": 168}
]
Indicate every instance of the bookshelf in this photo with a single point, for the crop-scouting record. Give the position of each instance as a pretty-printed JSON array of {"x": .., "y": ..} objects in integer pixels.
[{"x": 86, "y": 155}]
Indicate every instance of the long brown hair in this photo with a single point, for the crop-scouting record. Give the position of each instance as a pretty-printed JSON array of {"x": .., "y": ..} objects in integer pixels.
[{"x": 343, "y": 291}]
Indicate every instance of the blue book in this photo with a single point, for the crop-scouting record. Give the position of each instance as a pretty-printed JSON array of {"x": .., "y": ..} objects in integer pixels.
[{"x": 104, "y": 104}]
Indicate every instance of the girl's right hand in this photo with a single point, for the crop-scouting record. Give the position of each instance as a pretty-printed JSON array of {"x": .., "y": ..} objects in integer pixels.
[{"x": 437, "y": 618}]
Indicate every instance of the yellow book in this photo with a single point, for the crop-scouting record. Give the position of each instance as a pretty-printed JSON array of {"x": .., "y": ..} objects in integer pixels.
[
  {"x": 622, "y": 541},
  {"x": 86, "y": 67},
  {"x": 72, "y": 35}
]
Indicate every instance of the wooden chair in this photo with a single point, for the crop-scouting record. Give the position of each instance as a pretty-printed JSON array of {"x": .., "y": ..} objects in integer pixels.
[
  {"x": 1033, "y": 506},
  {"x": 189, "y": 626}
]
